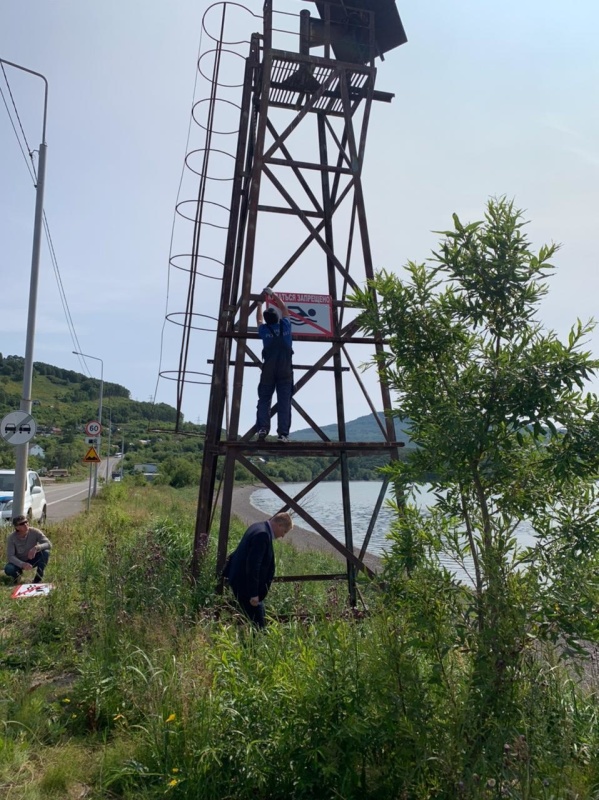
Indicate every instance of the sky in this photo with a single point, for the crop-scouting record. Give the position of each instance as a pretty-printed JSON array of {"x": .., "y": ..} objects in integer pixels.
[{"x": 490, "y": 99}]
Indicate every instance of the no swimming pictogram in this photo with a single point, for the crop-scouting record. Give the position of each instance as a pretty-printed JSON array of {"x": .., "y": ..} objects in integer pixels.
[{"x": 310, "y": 314}]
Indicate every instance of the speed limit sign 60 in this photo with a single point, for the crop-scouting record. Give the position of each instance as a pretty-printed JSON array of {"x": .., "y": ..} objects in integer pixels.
[{"x": 93, "y": 428}]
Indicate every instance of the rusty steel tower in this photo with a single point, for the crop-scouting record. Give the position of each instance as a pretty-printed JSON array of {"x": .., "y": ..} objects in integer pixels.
[{"x": 297, "y": 222}]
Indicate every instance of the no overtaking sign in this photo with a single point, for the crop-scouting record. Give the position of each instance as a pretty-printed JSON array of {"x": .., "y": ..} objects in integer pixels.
[{"x": 18, "y": 427}]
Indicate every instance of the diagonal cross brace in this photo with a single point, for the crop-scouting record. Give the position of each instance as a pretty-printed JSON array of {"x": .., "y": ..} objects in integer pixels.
[{"x": 300, "y": 511}]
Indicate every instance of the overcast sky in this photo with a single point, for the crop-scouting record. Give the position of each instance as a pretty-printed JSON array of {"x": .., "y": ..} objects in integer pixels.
[{"x": 490, "y": 99}]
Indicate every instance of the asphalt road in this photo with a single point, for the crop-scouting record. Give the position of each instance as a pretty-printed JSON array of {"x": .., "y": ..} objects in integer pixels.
[{"x": 68, "y": 499}]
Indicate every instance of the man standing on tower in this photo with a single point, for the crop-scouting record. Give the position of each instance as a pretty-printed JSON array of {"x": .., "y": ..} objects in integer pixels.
[{"x": 277, "y": 369}]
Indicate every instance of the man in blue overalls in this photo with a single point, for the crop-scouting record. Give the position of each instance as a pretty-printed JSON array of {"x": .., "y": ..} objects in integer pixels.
[{"x": 277, "y": 369}]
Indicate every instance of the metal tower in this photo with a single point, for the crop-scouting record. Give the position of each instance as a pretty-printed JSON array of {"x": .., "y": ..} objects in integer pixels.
[{"x": 298, "y": 223}]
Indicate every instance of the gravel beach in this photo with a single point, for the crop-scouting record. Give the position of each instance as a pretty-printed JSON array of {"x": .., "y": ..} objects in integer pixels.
[{"x": 300, "y": 538}]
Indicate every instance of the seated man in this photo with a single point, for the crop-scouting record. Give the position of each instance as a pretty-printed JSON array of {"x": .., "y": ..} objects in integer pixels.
[{"x": 26, "y": 549}]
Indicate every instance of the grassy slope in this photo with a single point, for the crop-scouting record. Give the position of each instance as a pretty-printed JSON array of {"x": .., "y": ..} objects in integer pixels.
[
  {"x": 128, "y": 682},
  {"x": 116, "y": 607},
  {"x": 51, "y": 396}
]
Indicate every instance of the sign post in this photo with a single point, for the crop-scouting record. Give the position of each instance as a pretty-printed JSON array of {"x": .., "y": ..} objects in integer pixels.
[
  {"x": 89, "y": 488},
  {"x": 93, "y": 430}
]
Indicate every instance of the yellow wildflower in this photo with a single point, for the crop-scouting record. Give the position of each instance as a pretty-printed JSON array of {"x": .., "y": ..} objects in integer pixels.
[
  {"x": 175, "y": 770},
  {"x": 171, "y": 718},
  {"x": 174, "y": 782},
  {"x": 65, "y": 700}
]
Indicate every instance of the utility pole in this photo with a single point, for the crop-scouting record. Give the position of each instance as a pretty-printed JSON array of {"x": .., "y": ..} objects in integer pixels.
[{"x": 22, "y": 450}]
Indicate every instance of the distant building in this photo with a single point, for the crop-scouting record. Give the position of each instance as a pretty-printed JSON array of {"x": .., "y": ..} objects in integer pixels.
[
  {"x": 149, "y": 471},
  {"x": 36, "y": 450},
  {"x": 146, "y": 468}
]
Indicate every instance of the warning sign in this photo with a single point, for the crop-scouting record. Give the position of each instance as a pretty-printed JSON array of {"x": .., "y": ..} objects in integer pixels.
[
  {"x": 31, "y": 590},
  {"x": 92, "y": 457},
  {"x": 310, "y": 314}
]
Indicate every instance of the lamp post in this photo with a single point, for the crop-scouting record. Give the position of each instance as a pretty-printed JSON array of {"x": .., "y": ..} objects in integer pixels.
[
  {"x": 95, "y": 358},
  {"x": 108, "y": 451},
  {"x": 22, "y": 450}
]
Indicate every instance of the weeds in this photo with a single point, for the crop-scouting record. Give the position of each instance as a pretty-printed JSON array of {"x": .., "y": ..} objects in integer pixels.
[{"x": 129, "y": 681}]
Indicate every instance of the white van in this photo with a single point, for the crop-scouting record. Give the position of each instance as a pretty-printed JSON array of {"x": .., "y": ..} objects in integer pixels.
[{"x": 35, "y": 497}]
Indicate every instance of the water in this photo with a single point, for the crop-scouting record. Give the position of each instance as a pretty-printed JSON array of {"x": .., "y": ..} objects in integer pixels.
[{"x": 324, "y": 503}]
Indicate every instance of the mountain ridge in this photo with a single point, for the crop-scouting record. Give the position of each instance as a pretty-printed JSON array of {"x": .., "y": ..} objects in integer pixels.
[{"x": 361, "y": 429}]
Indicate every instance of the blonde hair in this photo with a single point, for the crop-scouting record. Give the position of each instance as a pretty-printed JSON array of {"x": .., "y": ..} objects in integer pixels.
[{"x": 283, "y": 518}]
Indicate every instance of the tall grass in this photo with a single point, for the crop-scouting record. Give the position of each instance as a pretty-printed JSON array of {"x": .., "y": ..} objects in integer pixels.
[{"x": 130, "y": 681}]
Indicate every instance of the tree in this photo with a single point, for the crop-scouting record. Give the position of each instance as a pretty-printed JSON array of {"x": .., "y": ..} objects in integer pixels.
[
  {"x": 179, "y": 472},
  {"x": 502, "y": 421}
]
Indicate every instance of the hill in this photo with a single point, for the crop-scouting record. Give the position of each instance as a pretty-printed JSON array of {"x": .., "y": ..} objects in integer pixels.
[
  {"x": 362, "y": 429},
  {"x": 64, "y": 401},
  {"x": 62, "y": 397}
]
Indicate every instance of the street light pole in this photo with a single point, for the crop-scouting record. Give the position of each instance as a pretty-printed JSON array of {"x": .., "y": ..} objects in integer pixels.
[
  {"x": 22, "y": 450},
  {"x": 95, "y": 358},
  {"x": 108, "y": 452}
]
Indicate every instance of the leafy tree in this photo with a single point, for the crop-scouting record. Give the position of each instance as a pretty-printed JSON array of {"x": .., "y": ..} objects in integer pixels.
[
  {"x": 179, "y": 472},
  {"x": 502, "y": 421}
]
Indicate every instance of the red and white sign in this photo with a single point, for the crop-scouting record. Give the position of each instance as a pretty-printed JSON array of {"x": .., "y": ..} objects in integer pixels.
[
  {"x": 31, "y": 590},
  {"x": 310, "y": 314},
  {"x": 93, "y": 428}
]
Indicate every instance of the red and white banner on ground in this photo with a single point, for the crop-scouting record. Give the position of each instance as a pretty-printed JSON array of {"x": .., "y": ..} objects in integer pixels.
[{"x": 310, "y": 314}]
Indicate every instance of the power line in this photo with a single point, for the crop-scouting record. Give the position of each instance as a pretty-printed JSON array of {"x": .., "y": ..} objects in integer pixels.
[
  {"x": 46, "y": 225},
  {"x": 28, "y": 165},
  {"x": 61, "y": 290},
  {"x": 29, "y": 150}
]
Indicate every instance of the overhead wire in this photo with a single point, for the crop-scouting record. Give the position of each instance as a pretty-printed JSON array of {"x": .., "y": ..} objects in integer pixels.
[
  {"x": 29, "y": 162},
  {"x": 61, "y": 290},
  {"x": 16, "y": 110}
]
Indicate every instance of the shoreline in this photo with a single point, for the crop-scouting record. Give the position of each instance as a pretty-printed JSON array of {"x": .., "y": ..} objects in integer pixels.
[{"x": 301, "y": 539}]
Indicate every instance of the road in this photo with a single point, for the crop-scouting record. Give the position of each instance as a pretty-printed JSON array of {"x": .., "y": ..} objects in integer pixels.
[{"x": 68, "y": 499}]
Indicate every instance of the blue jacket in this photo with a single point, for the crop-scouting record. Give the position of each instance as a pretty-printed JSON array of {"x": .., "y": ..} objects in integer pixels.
[{"x": 251, "y": 567}]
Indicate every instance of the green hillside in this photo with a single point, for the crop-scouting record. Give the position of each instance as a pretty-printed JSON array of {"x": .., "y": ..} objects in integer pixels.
[
  {"x": 64, "y": 401},
  {"x": 64, "y": 398},
  {"x": 362, "y": 429}
]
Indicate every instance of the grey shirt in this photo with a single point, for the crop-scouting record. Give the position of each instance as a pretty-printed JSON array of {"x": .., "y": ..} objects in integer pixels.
[{"x": 17, "y": 548}]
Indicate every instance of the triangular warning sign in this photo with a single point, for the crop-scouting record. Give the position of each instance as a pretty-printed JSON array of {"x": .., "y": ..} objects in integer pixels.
[{"x": 92, "y": 457}]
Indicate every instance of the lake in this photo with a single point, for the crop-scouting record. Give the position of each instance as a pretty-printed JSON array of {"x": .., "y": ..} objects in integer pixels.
[{"x": 324, "y": 503}]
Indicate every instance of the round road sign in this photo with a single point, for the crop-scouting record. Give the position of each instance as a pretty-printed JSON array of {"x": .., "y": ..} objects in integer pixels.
[
  {"x": 93, "y": 428},
  {"x": 18, "y": 427}
]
